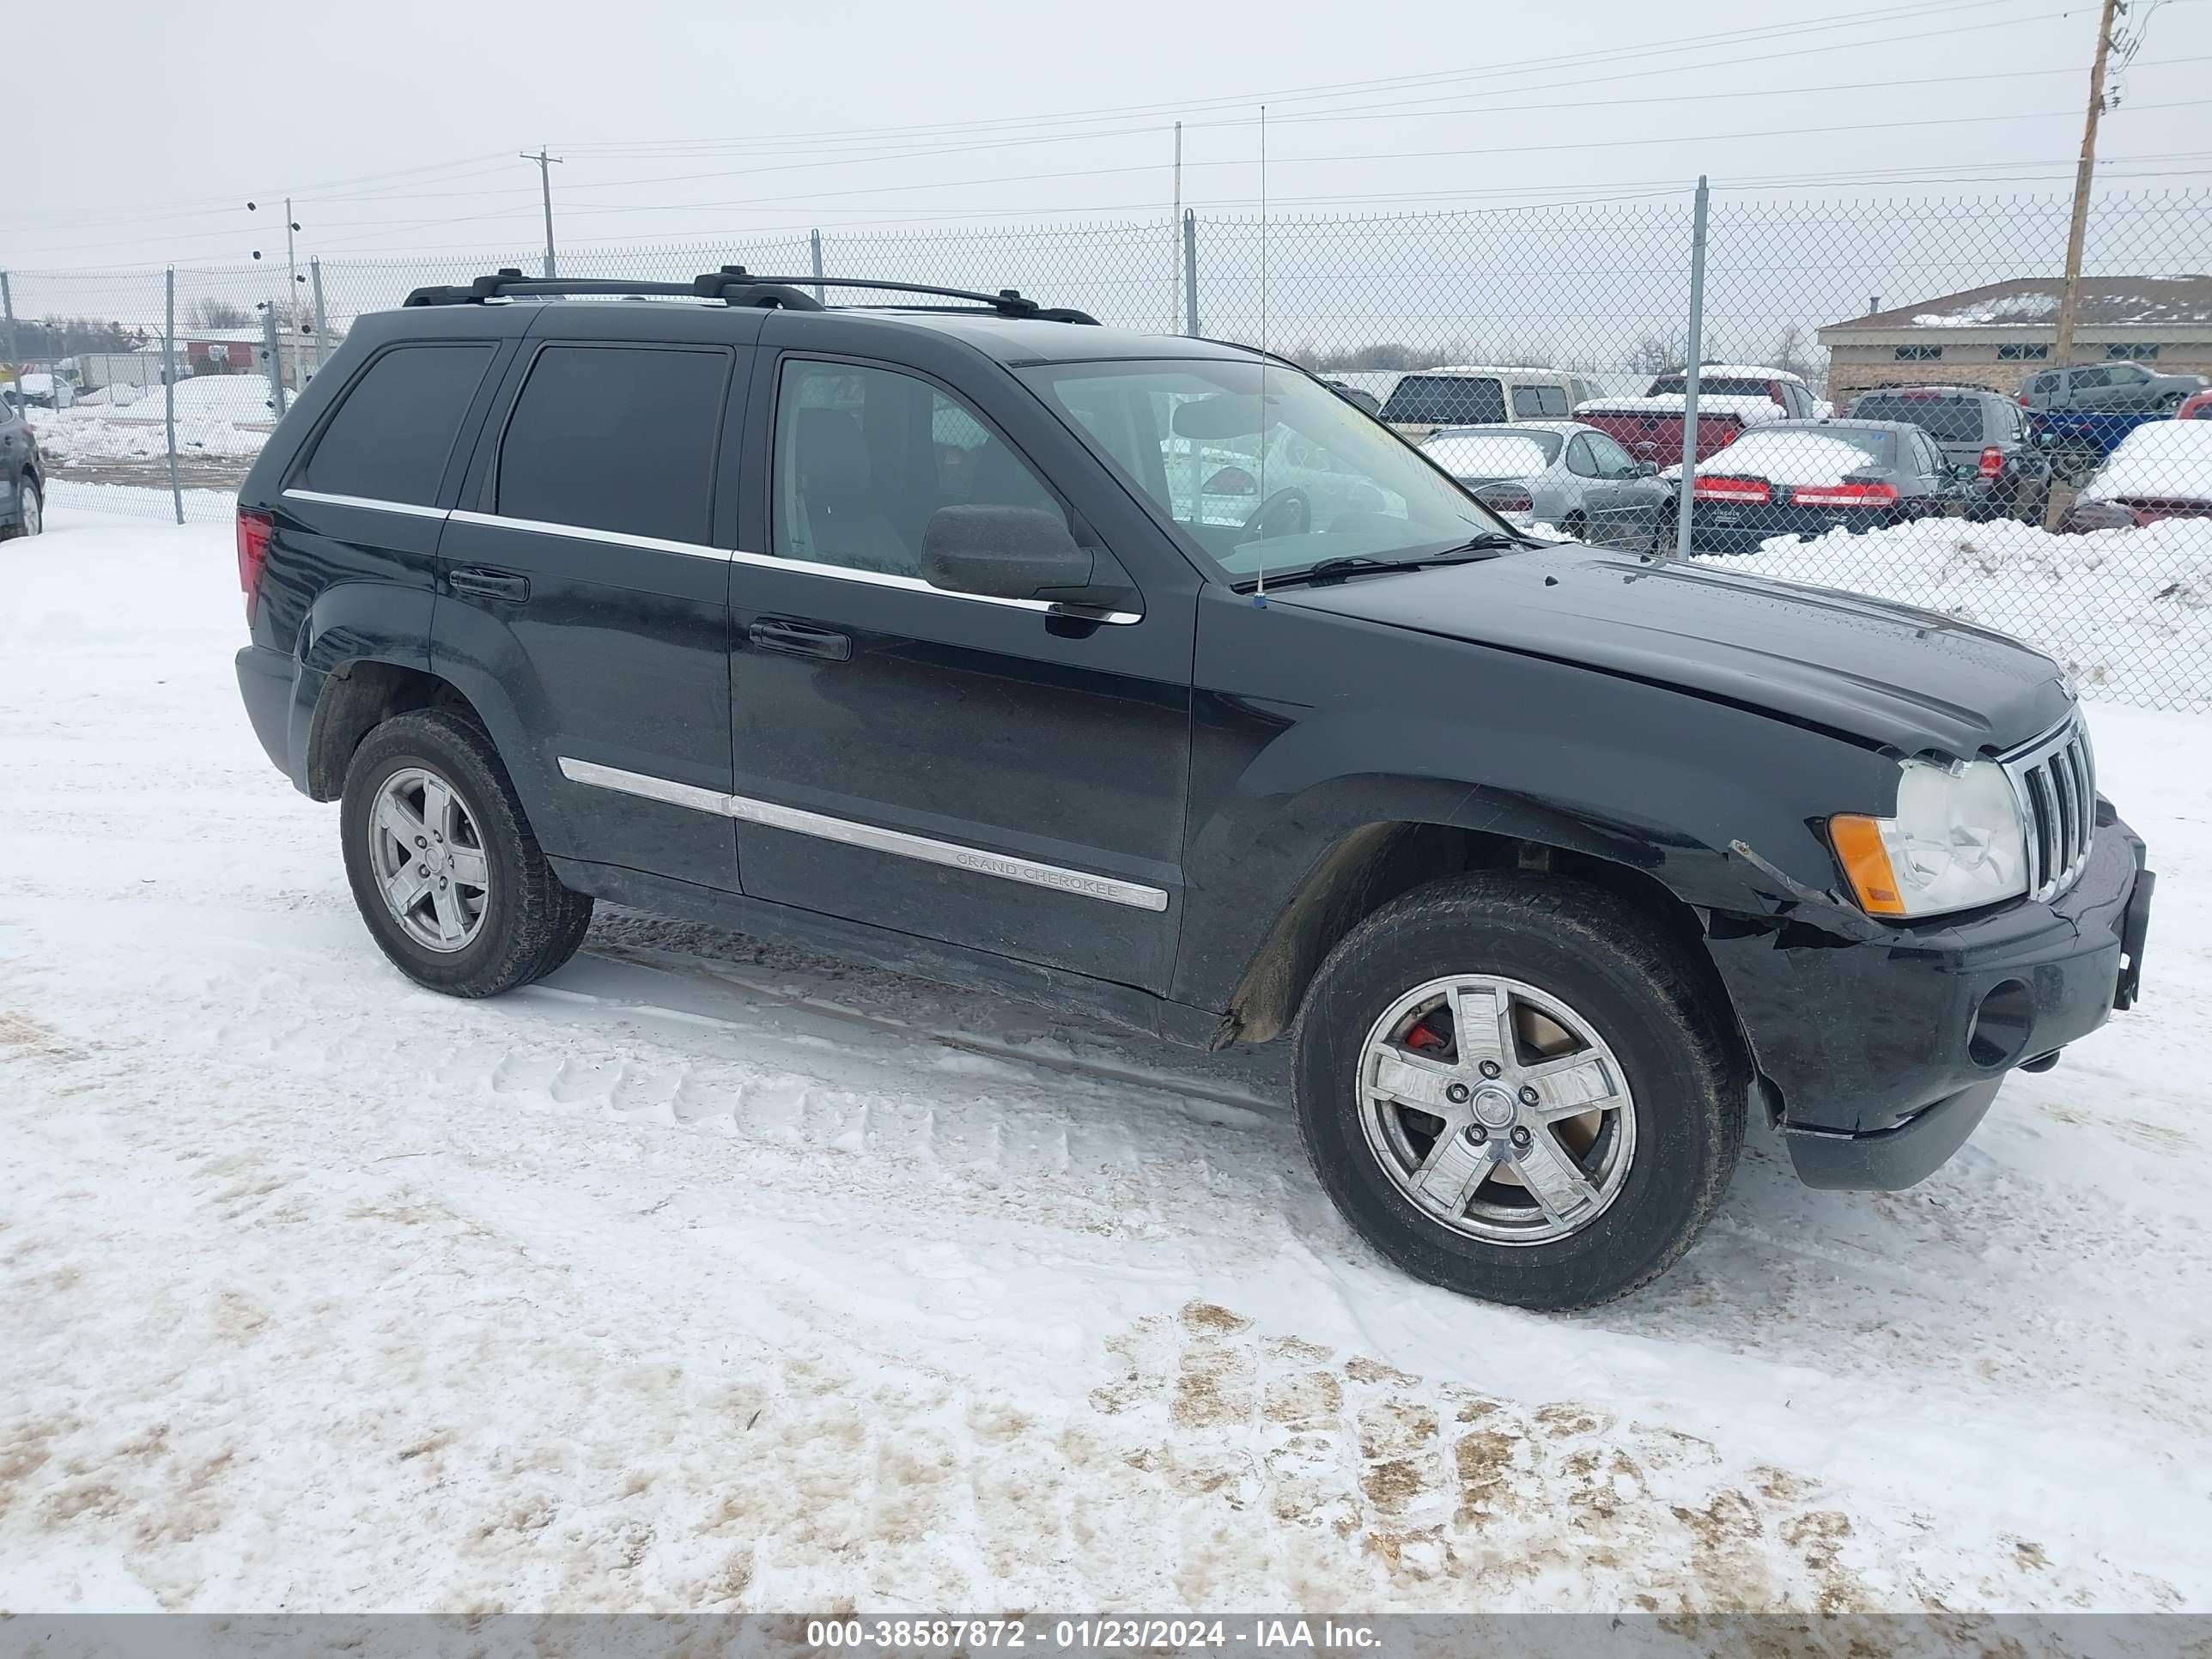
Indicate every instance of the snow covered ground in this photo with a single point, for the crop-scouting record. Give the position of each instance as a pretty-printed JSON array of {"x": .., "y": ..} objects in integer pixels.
[{"x": 709, "y": 1275}]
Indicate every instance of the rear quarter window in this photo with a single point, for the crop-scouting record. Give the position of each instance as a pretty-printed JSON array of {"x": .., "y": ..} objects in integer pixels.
[
  {"x": 395, "y": 426},
  {"x": 619, "y": 438}
]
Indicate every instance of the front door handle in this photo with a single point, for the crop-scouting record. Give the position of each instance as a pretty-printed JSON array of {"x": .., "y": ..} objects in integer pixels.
[
  {"x": 797, "y": 639},
  {"x": 476, "y": 582}
]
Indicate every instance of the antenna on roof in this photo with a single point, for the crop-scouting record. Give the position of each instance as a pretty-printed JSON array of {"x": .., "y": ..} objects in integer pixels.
[{"x": 1260, "y": 523}]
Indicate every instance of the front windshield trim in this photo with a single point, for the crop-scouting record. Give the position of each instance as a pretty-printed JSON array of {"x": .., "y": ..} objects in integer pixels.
[{"x": 1469, "y": 517}]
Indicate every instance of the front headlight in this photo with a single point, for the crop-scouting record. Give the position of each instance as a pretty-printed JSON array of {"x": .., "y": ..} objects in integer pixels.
[{"x": 1955, "y": 842}]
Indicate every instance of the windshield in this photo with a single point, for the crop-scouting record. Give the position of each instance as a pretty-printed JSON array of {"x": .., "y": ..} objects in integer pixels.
[
  {"x": 1269, "y": 482},
  {"x": 1506, "y": 454}
]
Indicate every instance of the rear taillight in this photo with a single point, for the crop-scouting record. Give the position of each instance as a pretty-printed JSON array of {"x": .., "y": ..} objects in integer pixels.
[
  {"x": 254, "y": 530},
  {"x": 1845, "y": 495},
  {"x": 1508, "y": 501},
  {"x": 1992, "y": 461},
  {"x": 1732, "y": 489}
]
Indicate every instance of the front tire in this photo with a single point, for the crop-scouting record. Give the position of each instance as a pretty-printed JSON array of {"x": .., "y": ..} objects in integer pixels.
[
  {"x": 33, "y": 506},
  {"x": 443, "y": 865},
  {"x": 1514, "y": 1088}
]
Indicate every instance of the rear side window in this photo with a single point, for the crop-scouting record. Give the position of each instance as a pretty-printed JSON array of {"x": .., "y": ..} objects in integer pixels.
[
  {"x": 394, "y": 432},
  {"x": 619, "y": 438},
  {"x": 1535, "y": 402},
  {"x": 1445, "y": 400}
]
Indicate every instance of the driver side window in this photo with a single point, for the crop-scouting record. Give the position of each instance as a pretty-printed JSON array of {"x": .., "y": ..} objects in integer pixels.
[
  {"x": 863, "y": 458},
  {"x": 1613, "y": 461}
]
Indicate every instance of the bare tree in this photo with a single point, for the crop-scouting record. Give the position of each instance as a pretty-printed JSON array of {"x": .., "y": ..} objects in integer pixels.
[
  {"x": 1655, "y": 357},
  {"x": 209, "y": 311}
]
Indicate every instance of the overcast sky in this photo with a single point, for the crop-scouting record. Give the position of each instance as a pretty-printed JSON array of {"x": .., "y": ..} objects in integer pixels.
[{"x": 396, "y": 124}]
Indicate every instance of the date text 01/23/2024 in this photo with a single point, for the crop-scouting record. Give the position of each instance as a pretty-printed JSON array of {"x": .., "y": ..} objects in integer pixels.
[{"x": 1104, "y": 1634}]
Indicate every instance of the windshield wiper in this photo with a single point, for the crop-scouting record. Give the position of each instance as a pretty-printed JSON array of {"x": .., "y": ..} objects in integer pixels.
[{"x": 1487, "y": 546}]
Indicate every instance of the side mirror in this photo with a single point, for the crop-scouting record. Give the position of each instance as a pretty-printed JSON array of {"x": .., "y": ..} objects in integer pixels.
[
  {"x": 1644, "y": 470},
  {"x": 1002, "y": 552},
  {"x": 1963, "y": 472},
  {"x": 2046, "y": 439}
]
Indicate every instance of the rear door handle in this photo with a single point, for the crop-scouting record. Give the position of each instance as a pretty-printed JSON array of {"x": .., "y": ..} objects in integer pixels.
[
  {"x": 477, "y": 583},
  {"x": 797, "y": 639}
]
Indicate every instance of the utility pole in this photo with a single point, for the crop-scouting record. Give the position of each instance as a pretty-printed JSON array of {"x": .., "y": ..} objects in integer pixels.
[
  {"x": 1175, "y": 229},
  {"x": 2084, "y": 175},
  {"x": 546, "y": 165}
]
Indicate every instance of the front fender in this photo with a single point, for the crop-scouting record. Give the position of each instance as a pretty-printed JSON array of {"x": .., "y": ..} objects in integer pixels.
[{"x": 1433, "y": 732}]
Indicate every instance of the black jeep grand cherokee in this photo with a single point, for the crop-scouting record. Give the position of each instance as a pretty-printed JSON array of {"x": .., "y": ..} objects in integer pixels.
[{"x": 1148, "y": 676}]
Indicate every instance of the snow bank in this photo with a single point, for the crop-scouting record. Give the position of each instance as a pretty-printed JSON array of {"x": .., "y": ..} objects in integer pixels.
[
  {"x": 2129, "y": 611},
  {"x": 2169, "y": 459},
  {"x": 77, "y": 435}
]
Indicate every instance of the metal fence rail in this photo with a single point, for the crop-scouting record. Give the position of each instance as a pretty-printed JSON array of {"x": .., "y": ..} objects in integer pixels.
[{"x": 153, "y": 390}]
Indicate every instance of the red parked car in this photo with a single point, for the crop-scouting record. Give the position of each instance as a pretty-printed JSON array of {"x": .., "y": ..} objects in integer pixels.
[
  {"x": 2161, "y": 470},
  {"x": 1651, "y": 429},
  {"x": 2198, "y": 408}
]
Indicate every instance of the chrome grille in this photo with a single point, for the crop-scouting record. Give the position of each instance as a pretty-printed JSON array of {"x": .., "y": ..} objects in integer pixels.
[{"x": 2056, "y": 779}]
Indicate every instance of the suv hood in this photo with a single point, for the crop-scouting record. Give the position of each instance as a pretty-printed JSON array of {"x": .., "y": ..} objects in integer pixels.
[{"x": 1881, "y": 672}]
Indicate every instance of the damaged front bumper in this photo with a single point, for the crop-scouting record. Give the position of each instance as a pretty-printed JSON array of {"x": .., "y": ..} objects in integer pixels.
[{"x": 1880, "y": 1052}]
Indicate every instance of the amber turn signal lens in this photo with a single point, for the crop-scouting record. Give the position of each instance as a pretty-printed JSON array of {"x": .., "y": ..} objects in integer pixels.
[{"x": 1866, "y": 861}]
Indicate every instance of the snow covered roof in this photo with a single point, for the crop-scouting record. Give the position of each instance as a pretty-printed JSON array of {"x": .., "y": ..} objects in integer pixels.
[
  {"x": 1749, "y": 410},
  {"x": 2033, "y": 301},
  {"x": 1506, "y": 369},
  {"x": 1740, "y": 372}
]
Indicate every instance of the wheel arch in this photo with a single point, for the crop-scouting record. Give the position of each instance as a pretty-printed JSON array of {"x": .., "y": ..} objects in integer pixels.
[
  {"x": 358, "y": 695},
  {"x": 1376, "y": 862}
]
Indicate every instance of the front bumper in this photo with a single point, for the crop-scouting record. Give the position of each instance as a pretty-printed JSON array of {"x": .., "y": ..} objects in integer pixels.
[{"x": 1883, "y": 1054}]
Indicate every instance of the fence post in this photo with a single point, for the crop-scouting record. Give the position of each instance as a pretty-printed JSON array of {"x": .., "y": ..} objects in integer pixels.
[
  {"x": 1190, "y": 271},
  {"x": 271, "y": 349},
  {"x": 322, "y": 318},
  {"x": 8, "y": 310},
  {"x": 1696, "y": 355},
  {"x": 815, "y": 238},
  {"x": 169, "y": 388}
]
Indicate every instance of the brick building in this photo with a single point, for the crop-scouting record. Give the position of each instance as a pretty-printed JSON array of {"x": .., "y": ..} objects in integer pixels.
[{"x": 1996, "y": 335}]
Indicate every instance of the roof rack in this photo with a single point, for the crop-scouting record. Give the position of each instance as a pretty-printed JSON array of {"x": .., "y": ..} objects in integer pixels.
[{"x": 736, "y": 286}]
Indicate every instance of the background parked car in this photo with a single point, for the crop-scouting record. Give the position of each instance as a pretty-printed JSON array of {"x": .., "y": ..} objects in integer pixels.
[
  {"x": 1975, "y": 428},
  {"x": 2088, "y": 409},
  {"x": 2108, "y": 388},
  {"x": 1807, "y": 478},
  {"x": 1474, "y": 394},
  {"x": 1786, "y": 390},
  {"x": 2196, "y": 408},
  {"x": 2161, "y": 471},
  {"x": 22, "y": 500},
  {"x": 1557, "y": 472},
  {"x": 1651, "y": 429}
]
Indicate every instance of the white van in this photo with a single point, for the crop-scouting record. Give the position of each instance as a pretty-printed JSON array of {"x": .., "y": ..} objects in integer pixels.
[{"x": 1480, "y": 394}]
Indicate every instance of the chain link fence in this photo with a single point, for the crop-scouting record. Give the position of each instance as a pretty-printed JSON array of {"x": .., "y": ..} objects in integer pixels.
[{"x": 1882, "y": 400}]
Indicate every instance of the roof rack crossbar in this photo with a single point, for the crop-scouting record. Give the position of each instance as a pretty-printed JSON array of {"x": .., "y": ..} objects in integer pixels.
[{"x": 736, "y": 286}]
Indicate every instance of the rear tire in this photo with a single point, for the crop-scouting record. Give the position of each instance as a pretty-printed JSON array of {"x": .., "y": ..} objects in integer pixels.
[
  {"x": 1590, "y": 998},
  {"x": 443, "y": 865}
]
